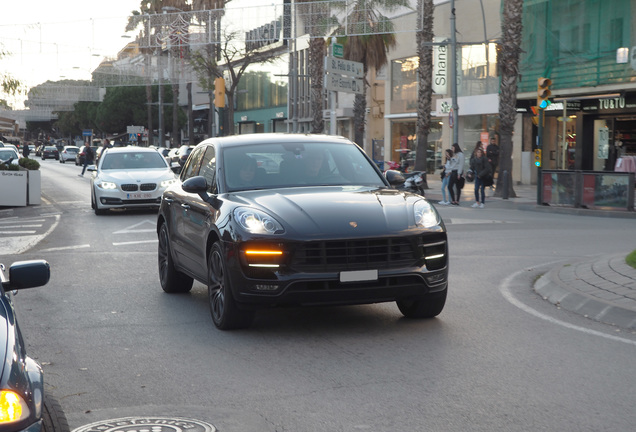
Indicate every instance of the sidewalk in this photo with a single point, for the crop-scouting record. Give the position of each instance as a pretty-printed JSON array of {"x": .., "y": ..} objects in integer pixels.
[{"x": 602, "y": 288}]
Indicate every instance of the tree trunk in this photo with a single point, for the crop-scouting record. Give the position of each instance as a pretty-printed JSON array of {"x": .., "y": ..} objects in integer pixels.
[
  {"x": 316, "y": 58},
  {"x": 508, "y": 61},
  {"x": 425, "y": 89}
]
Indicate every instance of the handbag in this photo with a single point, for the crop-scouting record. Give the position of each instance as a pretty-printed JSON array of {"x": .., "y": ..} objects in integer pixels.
[
  {"x": 488, "y": 180},
  {"x": 461, "y": 181}
]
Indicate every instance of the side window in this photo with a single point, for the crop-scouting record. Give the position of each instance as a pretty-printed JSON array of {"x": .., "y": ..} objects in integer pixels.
[
  {"x": 208, "y": 169},
  {"x": 191, "y": 168}
]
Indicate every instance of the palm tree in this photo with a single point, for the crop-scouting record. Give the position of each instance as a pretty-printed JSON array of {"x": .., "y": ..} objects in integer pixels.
[
  {"x": 424, "y": 37},
  {"x": 372, "y": 37},
  {"x": 508, "y": 61}
]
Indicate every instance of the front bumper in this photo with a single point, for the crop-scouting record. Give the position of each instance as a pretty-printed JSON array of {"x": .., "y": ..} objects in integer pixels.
[{"x": 345, "y": 279}]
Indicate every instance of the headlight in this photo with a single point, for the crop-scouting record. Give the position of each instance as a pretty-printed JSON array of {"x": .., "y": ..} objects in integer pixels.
[
  {"x": 12, "y": 407},
  {"x": 257, "y": 222},
  {"x": 166, "y": 183},
  {"x": 106, "y": 185},
  {"x": 425, "y": 216}
]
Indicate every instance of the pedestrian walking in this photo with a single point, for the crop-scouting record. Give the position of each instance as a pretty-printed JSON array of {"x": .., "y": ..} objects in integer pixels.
[
  {"x": 88, "y": 157},
  {"x": 455, "y": 183},
  {"x": 483, "y": 176},
  {"x": 26, "y": 150},
  {"x": 445, "y": 175}
]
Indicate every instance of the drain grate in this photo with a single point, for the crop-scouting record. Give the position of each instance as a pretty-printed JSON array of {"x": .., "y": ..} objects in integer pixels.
[{"x": 148, "y": 424}]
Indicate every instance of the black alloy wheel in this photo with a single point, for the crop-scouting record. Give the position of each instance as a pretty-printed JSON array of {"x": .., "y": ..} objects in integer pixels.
[
  {"x": 225, "y": 313},
  {"x": 172, "y": 281}
]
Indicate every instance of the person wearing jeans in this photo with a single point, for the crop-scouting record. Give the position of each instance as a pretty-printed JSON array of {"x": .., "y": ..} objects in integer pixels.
[
  {"x": 482, "y": 169},
  {"x": 446, "y": 171}
]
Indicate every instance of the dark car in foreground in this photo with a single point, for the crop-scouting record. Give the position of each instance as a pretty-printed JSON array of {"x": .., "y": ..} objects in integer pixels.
[
  {"x": 25, "y": 406},
  {"x": 324, "y": 227}
]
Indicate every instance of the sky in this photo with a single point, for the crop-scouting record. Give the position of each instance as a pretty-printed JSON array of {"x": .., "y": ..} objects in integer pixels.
[
  {"x": 67, "y": 39},
  {"x": 63, "y": 39}
]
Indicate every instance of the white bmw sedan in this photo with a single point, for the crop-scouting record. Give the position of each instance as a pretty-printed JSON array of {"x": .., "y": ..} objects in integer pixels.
[{"x": 129, "y": 178}]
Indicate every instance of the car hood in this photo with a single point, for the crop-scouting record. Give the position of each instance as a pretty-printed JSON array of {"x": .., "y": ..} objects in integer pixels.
[
  {"x": 133, "y": 176},
  {"x": 339, "y": 211}
]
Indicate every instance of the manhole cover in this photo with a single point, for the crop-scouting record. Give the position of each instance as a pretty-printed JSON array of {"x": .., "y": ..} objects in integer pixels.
[{"x": 148, "y": 424}]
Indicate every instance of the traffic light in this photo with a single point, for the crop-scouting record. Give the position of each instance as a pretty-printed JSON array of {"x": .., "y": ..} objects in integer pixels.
[
  {"x": 535, "y": 115},
  {"x": 219, "y": 92},
  {"x": 537, "y": 158},
  {"x": 543, "y": 92}
]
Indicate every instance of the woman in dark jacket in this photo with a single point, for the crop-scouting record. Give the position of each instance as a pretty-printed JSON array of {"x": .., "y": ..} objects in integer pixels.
[{"x": 483, "y": 174}]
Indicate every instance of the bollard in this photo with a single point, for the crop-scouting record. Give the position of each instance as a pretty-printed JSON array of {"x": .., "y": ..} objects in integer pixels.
[{"x": 505, "y": 185}]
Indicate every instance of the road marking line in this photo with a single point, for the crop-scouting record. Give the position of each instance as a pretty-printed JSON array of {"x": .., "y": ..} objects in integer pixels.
[
  {"x": 504, "y": 288},
  {"x": 65, "y": 248},
  {"x": 18, "y": 232},
  {"x": 134, "y": 242},
  {"x": 131, "y": 229},
  {"x": 21, "y": 226}
]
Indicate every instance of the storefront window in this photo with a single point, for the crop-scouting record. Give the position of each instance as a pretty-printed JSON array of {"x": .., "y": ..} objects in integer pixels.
[
  {"x": 404, "y": 145},
  {"x": 404, "y": 85}
]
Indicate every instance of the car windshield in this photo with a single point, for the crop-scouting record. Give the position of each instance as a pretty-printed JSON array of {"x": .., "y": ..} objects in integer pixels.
[
  {"x": 303, "y": 164},
  {"x": 133, "y": 160},
  {"x": 71, "y": 149},
  {"x": 50, "y": 148},
  {"x": 7, "y": 153}
]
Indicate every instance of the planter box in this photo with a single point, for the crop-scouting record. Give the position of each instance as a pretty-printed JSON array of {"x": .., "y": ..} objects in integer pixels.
[
  {"x": 34, "y": 182},
  {"x": 13, "y": 188}
]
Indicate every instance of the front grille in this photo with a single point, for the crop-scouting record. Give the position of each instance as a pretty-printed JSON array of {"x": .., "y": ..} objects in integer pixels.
[
  {"x": 148, "y": 186},
  {"x": 360, "y": 254},
  {"x": 129, "y": 187}
]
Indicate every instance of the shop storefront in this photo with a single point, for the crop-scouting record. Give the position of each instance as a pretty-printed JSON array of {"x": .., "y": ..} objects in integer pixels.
[{"x": 587, "y": 132}]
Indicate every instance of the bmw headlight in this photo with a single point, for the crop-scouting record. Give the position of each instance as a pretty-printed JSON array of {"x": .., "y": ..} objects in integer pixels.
[
  {"x": 257, "y": 222},
  {"x": 106, "y": 185},
  {"x": 166, "y": 183},
  {"x": 425, "y": 216}
]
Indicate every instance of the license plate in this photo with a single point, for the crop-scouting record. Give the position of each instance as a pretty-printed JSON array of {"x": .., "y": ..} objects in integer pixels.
[
  {"x": 139, "y": 196},
  {"x": 357, "y": 276}
]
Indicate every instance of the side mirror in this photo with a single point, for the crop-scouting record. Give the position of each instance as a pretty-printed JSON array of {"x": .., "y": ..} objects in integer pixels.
[
  {"x": 394, "y": 177},
  {"x": 27, "y": 274},
  {"x": 196, "y": 185}
]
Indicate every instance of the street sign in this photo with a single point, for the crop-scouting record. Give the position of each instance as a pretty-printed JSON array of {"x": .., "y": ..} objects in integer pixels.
[
  {"x": 344, "y": 67},
  {"x": 87, "y": 132},
  {"x": 134, "y": 129},
  {"x": 335, "y": 82},
  {"x": 337, "y": 50}
]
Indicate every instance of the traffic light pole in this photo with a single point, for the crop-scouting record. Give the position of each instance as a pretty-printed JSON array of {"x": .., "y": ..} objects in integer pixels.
[{"x": 539, "y": 146}]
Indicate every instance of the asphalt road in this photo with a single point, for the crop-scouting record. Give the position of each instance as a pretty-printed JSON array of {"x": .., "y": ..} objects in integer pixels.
[{"x": 498, "y": 358}]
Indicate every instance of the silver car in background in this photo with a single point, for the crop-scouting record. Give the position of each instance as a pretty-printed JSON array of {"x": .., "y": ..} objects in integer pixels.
[{"x": 129, "y": 178}]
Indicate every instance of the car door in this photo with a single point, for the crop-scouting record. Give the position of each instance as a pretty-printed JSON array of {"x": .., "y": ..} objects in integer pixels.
[{"x": 192, "y": 216}]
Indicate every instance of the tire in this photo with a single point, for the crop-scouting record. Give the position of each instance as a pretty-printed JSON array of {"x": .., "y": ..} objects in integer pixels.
[
  {"x": 428, "y": 306},
  {"x": 225, "y": 313},
  {"x": 172, "y": 281},
  {"x": 53, "y": 418}
]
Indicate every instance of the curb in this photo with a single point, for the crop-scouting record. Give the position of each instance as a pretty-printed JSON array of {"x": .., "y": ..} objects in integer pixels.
[{"x": 553, "y": 289}]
